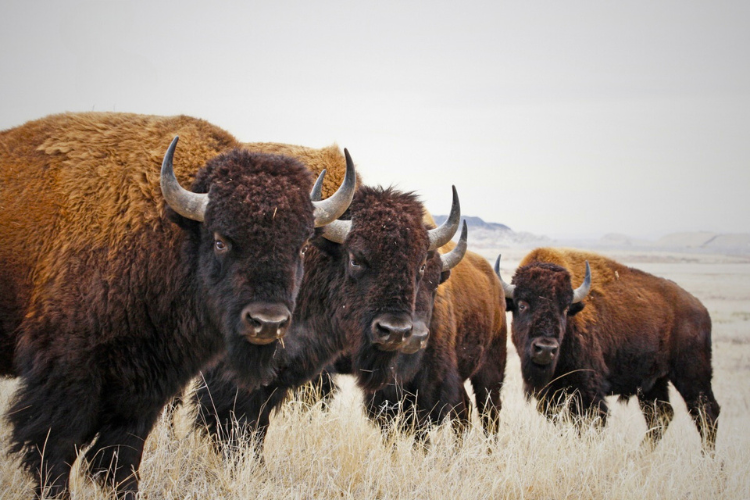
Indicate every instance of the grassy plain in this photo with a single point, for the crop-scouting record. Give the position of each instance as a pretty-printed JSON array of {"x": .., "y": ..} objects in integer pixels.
[{"x": 339, "y": 454}]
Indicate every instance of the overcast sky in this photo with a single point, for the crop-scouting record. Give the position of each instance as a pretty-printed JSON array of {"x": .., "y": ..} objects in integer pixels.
[{"x": 559, "y": 118}]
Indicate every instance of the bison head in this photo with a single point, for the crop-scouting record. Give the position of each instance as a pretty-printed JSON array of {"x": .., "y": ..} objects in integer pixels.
[
  {"x": 248, "y": 217},
  {"x": 377, "y": 259},
  {"x": 541, "y": 299}
]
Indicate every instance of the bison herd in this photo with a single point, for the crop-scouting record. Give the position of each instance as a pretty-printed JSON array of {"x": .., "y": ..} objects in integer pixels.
[{"x": 119, "y": 284}]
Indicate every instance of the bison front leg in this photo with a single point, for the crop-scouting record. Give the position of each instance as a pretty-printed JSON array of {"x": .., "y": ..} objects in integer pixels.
[
  {"x": 115, "y": 457},
  {"x": 657, "y": 411},
  {"x": 52, "y": 418},
  {"x": 487, "y": 383},
  {"x": 233, "y": 416}
]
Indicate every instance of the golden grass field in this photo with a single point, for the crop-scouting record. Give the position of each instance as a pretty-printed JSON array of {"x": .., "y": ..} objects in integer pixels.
[{"x": 339, "y": 454}]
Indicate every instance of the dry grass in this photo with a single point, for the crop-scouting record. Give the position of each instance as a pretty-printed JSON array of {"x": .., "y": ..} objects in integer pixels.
[{"x": 339, "y": 454}]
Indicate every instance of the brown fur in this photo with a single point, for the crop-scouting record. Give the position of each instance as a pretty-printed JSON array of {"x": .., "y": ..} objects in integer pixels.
[
  {"x": 329, "y": 158},
  {"x": 635, "y": 333}
]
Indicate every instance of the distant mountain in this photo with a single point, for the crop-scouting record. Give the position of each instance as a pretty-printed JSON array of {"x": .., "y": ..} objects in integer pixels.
[
  {"x": 492, "y": 234},
  {"x": 474, "y": 222}
]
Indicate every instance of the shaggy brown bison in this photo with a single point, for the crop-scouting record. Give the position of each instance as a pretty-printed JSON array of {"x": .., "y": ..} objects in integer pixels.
[
  {"x": 358, "y": 294},
  {"x": 117, "y": 285},
  {"x": 621, "y": 331},
  {"x": 466, "y": 340}
]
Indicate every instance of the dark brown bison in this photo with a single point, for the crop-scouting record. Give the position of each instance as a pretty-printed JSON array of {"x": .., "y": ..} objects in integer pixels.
[
  {"x": 466, "y": 340},
  {"x": 117, "y": 285},
  {"x": 620, "y": 331},
  {"x": 358, "y": 295}
]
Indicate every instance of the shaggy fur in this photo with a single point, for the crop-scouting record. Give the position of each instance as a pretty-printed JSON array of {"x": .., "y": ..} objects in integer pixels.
[
  {"x": 107, "y": 307},
  {"x": 631, "y": 336},
  {"x": 336, "y": 306},
  {"x": 329, "y": 158}
]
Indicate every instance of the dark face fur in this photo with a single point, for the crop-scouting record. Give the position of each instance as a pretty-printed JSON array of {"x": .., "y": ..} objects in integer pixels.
[
  {"x": 541, "y": 306},
  {"x": 433, "y": 276},
  {"x": 248, "y": 250}
]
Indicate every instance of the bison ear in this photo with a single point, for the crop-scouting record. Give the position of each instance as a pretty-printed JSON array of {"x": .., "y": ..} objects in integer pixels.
[
  {"x": 575, "y": 308},
  {"x": 509, "y": 305},
  {"x": 444, "y": 276}
]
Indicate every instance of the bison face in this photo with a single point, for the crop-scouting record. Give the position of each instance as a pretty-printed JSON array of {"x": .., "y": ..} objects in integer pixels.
[
  {"x": 541, "y": 301},
  {"x": 432, "y": 277},
  {"x": 246, "y": 245}
]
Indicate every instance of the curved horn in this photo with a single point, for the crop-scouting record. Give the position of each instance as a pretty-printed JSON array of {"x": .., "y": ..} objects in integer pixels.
[
  {"x": 443, "y": 234},
  {"x": 184, "y": 202},
  {"x": 317, "y": 191},
  {"x": 337, "y": 230},
  {"x": 582, "y": 291},
  {"x": 330, "y": 209},
  {"x": 452, "y": 258},
  {"x": 508, "y": 289}
]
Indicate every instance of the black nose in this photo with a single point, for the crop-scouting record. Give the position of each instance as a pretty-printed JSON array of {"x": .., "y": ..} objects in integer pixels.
[
  {"x": 389, "y": 331},
  {"x": 544, "y": 350},
  {"x": 264, "y": 322}
]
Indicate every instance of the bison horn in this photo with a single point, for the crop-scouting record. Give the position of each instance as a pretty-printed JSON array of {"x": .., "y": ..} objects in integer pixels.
[
  {"x": 443, "y": 234},
  {"x": 452, "y": 258},
  {"x": 580, "y": 293},
  {"x": 184, "y": 202},
  {"x": 317, "y": 191},
  {"x": 330, "y": 209},
  {"x": 337, "y": 231},
  {"x": 508, "y": 289}
]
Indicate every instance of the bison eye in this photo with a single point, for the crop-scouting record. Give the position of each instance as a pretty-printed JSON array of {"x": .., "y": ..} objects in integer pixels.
[
  {"x": 421, "y": 270},
  {"x": 221, "y": 246},
  {"x": 522, "y": 306},
  {"x": 356, "y": 263},
  {"x": 303, "y": 250}
]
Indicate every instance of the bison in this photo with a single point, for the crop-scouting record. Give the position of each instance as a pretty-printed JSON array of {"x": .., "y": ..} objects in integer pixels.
[
  {"x": 621, "y": 331},
  {"x": 362, "y": 279},
  {"x": 117, "y": 285},
  {"x": 466, "y": 340}
]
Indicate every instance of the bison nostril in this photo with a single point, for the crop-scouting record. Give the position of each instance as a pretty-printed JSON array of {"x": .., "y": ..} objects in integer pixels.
[
  {"x": 381, "y": 330},
  {"x": 266, "y": 321},
  {"x": 391, "y": 328}
]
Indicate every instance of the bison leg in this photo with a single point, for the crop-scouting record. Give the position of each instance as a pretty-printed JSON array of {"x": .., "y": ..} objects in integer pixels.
[
  {"x": 588, "y": 410},
  {"x": 704, "y": 409},
  {"x": 114, "y": 458},
  {"x": 657, "y": 410},
  {"x": 52, "y": 418},
  {"x": 694, "y": 385},
  {"x": 233, "y": 416},
  {"x": 321, "y": 388},
  {"x": 487, "y": 383},
  {"x": 391, "y": 405}
]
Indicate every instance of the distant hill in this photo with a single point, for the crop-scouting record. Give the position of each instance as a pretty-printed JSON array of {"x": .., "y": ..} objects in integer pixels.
[
  {"x": 475, "y": 222},
  {"x": 492, "y": 234},
  {"x": 696, "y": 241}
]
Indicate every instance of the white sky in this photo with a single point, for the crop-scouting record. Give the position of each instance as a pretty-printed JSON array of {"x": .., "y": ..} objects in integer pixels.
[{"x": 574, "y": 118}]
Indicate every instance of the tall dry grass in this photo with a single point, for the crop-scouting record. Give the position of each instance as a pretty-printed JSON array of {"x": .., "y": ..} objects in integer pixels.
[{"x": 311, "y": 453}]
